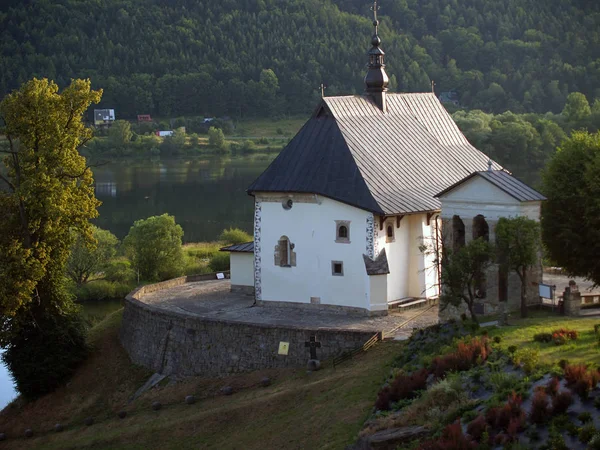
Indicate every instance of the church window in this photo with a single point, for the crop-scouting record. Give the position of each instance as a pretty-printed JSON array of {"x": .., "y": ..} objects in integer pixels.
[
  {"x": 458, "y": 233},
  {"x": 389, "y": 233},
  {"x": 481, "y": 228},
  {"x": 342, "y": 231},
  {"x": 285, "y": 256},
  {"x": 337, "y": 268}
]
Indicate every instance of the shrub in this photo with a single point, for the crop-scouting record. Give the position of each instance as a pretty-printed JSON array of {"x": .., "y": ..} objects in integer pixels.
[
  {"x": 500, "y": 417},
  {"x": 120, "y": 271},
  {"x": 512, "y": 349},
  {"x": 543, "y": 337},
  {"x": 561, "y": 402},
  {"x": 587, "y": 432},
  {"x": 584, "y": 417},
  {"x": 497, "y": 339},
  {"x": 452, "y": 439},
  {"x": 233, "y": 236},
  {"x": 581, "y": 380},
  {"x": 568, "y": 334},
  {"x": 594, "y": 443},
  {"x": 540, "y": 410},
  {"x": 46, "y": 352},
  {"x": 219, "y": 262},
  {"x": 553, "y": 386},
  {"x": 477, "y": 427},
  {"x": 527, "y": 358},
  {"x": 468, "y": 353},
  {"x": 597, "y": 328},
  {"x": 402, "y": 387},
  {"x": 102, "y": 290},
  {"x": 563, "y": 363}
]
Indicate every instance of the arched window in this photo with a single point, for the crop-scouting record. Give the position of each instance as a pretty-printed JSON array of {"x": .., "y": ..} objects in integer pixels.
[
  {"x": 389, "y": 233},
  {"x": 458, "y": 233},
  {"x": 284, "y": 253},
  {"x": 481, "y": 228},
  {"x": 342, "y": 231}
]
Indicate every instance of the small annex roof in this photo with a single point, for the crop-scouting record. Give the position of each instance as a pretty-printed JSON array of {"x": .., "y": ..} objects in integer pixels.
[
  {"x": 388, "y": 163},
  {"x": 247, "y": 247},
  {"x": 503, "y": 181}
]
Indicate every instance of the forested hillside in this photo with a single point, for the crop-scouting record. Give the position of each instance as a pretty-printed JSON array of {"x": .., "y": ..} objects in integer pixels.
[{"x": 268, "y": 57}]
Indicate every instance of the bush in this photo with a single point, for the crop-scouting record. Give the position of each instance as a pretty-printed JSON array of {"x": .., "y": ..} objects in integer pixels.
[
  {"x": 46, "y": 352},
  {"x": 561, "y": 402},
  {"x": 497, "y": 339},
  {"x": 587, "y": 432},
  {"x": 402, "y": 387},
  {"x": 581, "y": 380},
  {"x": 102, "y": 290},
  {"x": 540, "y": 410},
  {"x": 477, "y": 427},
  {"x": 468, "y": 353},
  {"x": 585, "y": 417},
  {"x": 452, "y": 439},
  {"x": 543, "y": 337},
  {"x": 501, "y": 417},
  {"x": 512, "y": 349},
  {"x": 233, "y": 236},
  {"x": 553, "y": 386},
  {"x": 219, "y": 262},
  {"x": 562, "y": 335},
  {"x": 154, "y": 248},
  {"x": 120, "y": 271},
  {"x": 528, "y": 358}
]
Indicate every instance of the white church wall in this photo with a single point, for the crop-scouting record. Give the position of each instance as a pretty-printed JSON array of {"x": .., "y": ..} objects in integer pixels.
[
  {"x": 423, "y": 271},
  {"x": 378, "y": 292},
  {"x": 397, "y": 254},
  {"x": 242, "y": 269},
  {"x": 310, "y": 225}
]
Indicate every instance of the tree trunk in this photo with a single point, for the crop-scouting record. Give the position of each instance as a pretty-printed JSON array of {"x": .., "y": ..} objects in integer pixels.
[
  {"x": 523, "y": 277},
  {"x": 471, "y": 310}
]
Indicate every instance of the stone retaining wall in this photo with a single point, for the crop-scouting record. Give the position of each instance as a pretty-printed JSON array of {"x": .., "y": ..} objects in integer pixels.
[{"x": 181, "y": 344}]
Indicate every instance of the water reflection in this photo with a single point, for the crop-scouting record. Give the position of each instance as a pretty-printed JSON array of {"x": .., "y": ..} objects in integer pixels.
[{"x": 205, "y": 195}]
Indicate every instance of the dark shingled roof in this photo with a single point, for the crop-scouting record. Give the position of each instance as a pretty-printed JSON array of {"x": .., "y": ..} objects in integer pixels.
[
  {"x": 377, "y": 266},
  {"x": 505, "y": 182},
  {"x": 388, "y": 163},
  {"x": 248, "y": 247}
]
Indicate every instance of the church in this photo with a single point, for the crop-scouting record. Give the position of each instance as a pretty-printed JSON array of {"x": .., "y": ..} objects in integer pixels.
[{"x": 343, "y": 214}]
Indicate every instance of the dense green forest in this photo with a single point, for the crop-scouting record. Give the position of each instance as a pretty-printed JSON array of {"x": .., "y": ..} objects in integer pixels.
[{"x": 268, "y": 57}]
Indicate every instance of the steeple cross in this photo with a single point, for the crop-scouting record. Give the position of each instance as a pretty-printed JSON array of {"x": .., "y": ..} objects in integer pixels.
[{"x": 374, "y": 8}]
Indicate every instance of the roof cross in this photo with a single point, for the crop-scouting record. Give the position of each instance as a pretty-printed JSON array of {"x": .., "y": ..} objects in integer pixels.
[{"x": 375, "y": 8}]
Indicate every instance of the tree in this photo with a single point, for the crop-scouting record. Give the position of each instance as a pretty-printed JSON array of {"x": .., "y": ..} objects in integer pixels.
[
  {"x": 154, "y": 247},
  {"x": 518, "y": 246},
  {"x": 49, "y": 192},
  {"x": 87, "y": 258},
  {"x": 216, "y": 138},
  {"x": 571, "y": 215},
  {"x": 577, "y": 108},
  {"x": 120, "y": 133},
  {"x": 461, "y": 270},
  {"x": 234, "y": 236}
]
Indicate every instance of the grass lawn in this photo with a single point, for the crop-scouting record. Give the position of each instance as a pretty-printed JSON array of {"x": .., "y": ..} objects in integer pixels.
[
  {"x": 323, "y": 410},
  {"x": 583, "y": 350}
]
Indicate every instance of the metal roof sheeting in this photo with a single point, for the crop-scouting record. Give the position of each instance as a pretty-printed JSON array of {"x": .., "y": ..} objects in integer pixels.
[
  {"x": 389, "y": 163},
  {"x": 248, "y": 247},
  {"x": 505, "y": 182}
]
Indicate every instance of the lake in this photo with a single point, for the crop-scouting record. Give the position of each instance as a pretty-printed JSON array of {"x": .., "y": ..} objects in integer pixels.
[{"x": 205, "y": 195}]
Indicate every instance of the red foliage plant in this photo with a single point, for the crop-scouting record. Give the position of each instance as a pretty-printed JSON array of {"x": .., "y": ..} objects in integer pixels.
[
  {"x": 500, "y": 417},
  {"x": 403, "y": 387},
  {"x": 580, "y": 379},
  {"x": 452, "y": 438},
  {"x": 477, "y": 427},
  {"x": 565, "y": 333},
  {"x": 540, "y": 410},
  {"x": 468, "y": 353},
  {"x": 561, "y": 402},
  {"x": 553, "y": 386}
]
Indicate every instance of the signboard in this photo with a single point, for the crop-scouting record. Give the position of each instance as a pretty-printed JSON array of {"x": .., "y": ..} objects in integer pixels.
[
  {"x": 220, "y": 276},
  {"x": 284, "y": 348},
  {"x": 545, "y": 291}
]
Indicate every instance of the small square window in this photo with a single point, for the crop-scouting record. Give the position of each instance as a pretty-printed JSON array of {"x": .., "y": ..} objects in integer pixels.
[{"x": 337, "y": 268}]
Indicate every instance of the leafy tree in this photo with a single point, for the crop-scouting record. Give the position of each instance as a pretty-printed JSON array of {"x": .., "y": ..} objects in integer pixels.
[
  {"x": 461, "y": 270},
  {"x": 216, "y": 138},
  {"x": 154, "y": 247},
  {"x": 234, "y": 236},
  {"x": 219, "y": 262},
  {"x": 87, "y": 258},
  {"x": 571, "y": 215},
  {"x": 577, "y": 107},
  {"x": 518, "y": 246},
  {"x": 120, "y": 133},
  {"x": 49, "y": 191}
]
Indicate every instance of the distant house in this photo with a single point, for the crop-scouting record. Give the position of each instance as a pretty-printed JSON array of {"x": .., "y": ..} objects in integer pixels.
[
  {"x": 144, "y": 118},
  {"x": 104, "y": 117},
  {"x": 208, "y": 119},
  {"x": 164, "y": 133},
  {"x": 449, "y": 97}
]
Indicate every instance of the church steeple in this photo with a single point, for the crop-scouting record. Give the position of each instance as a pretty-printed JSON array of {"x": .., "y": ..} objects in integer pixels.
[{"x": 376, "y": 80}]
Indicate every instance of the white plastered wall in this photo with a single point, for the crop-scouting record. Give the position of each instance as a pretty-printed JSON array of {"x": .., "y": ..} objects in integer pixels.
[
  {"x": 412, "y": 272},
  {"x": 310, "y": 226},
  {"x": 242, "y": 269}
]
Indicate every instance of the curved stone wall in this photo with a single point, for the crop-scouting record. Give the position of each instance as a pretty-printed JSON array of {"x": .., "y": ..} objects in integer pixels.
[{"x": 185, "y": 344}]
